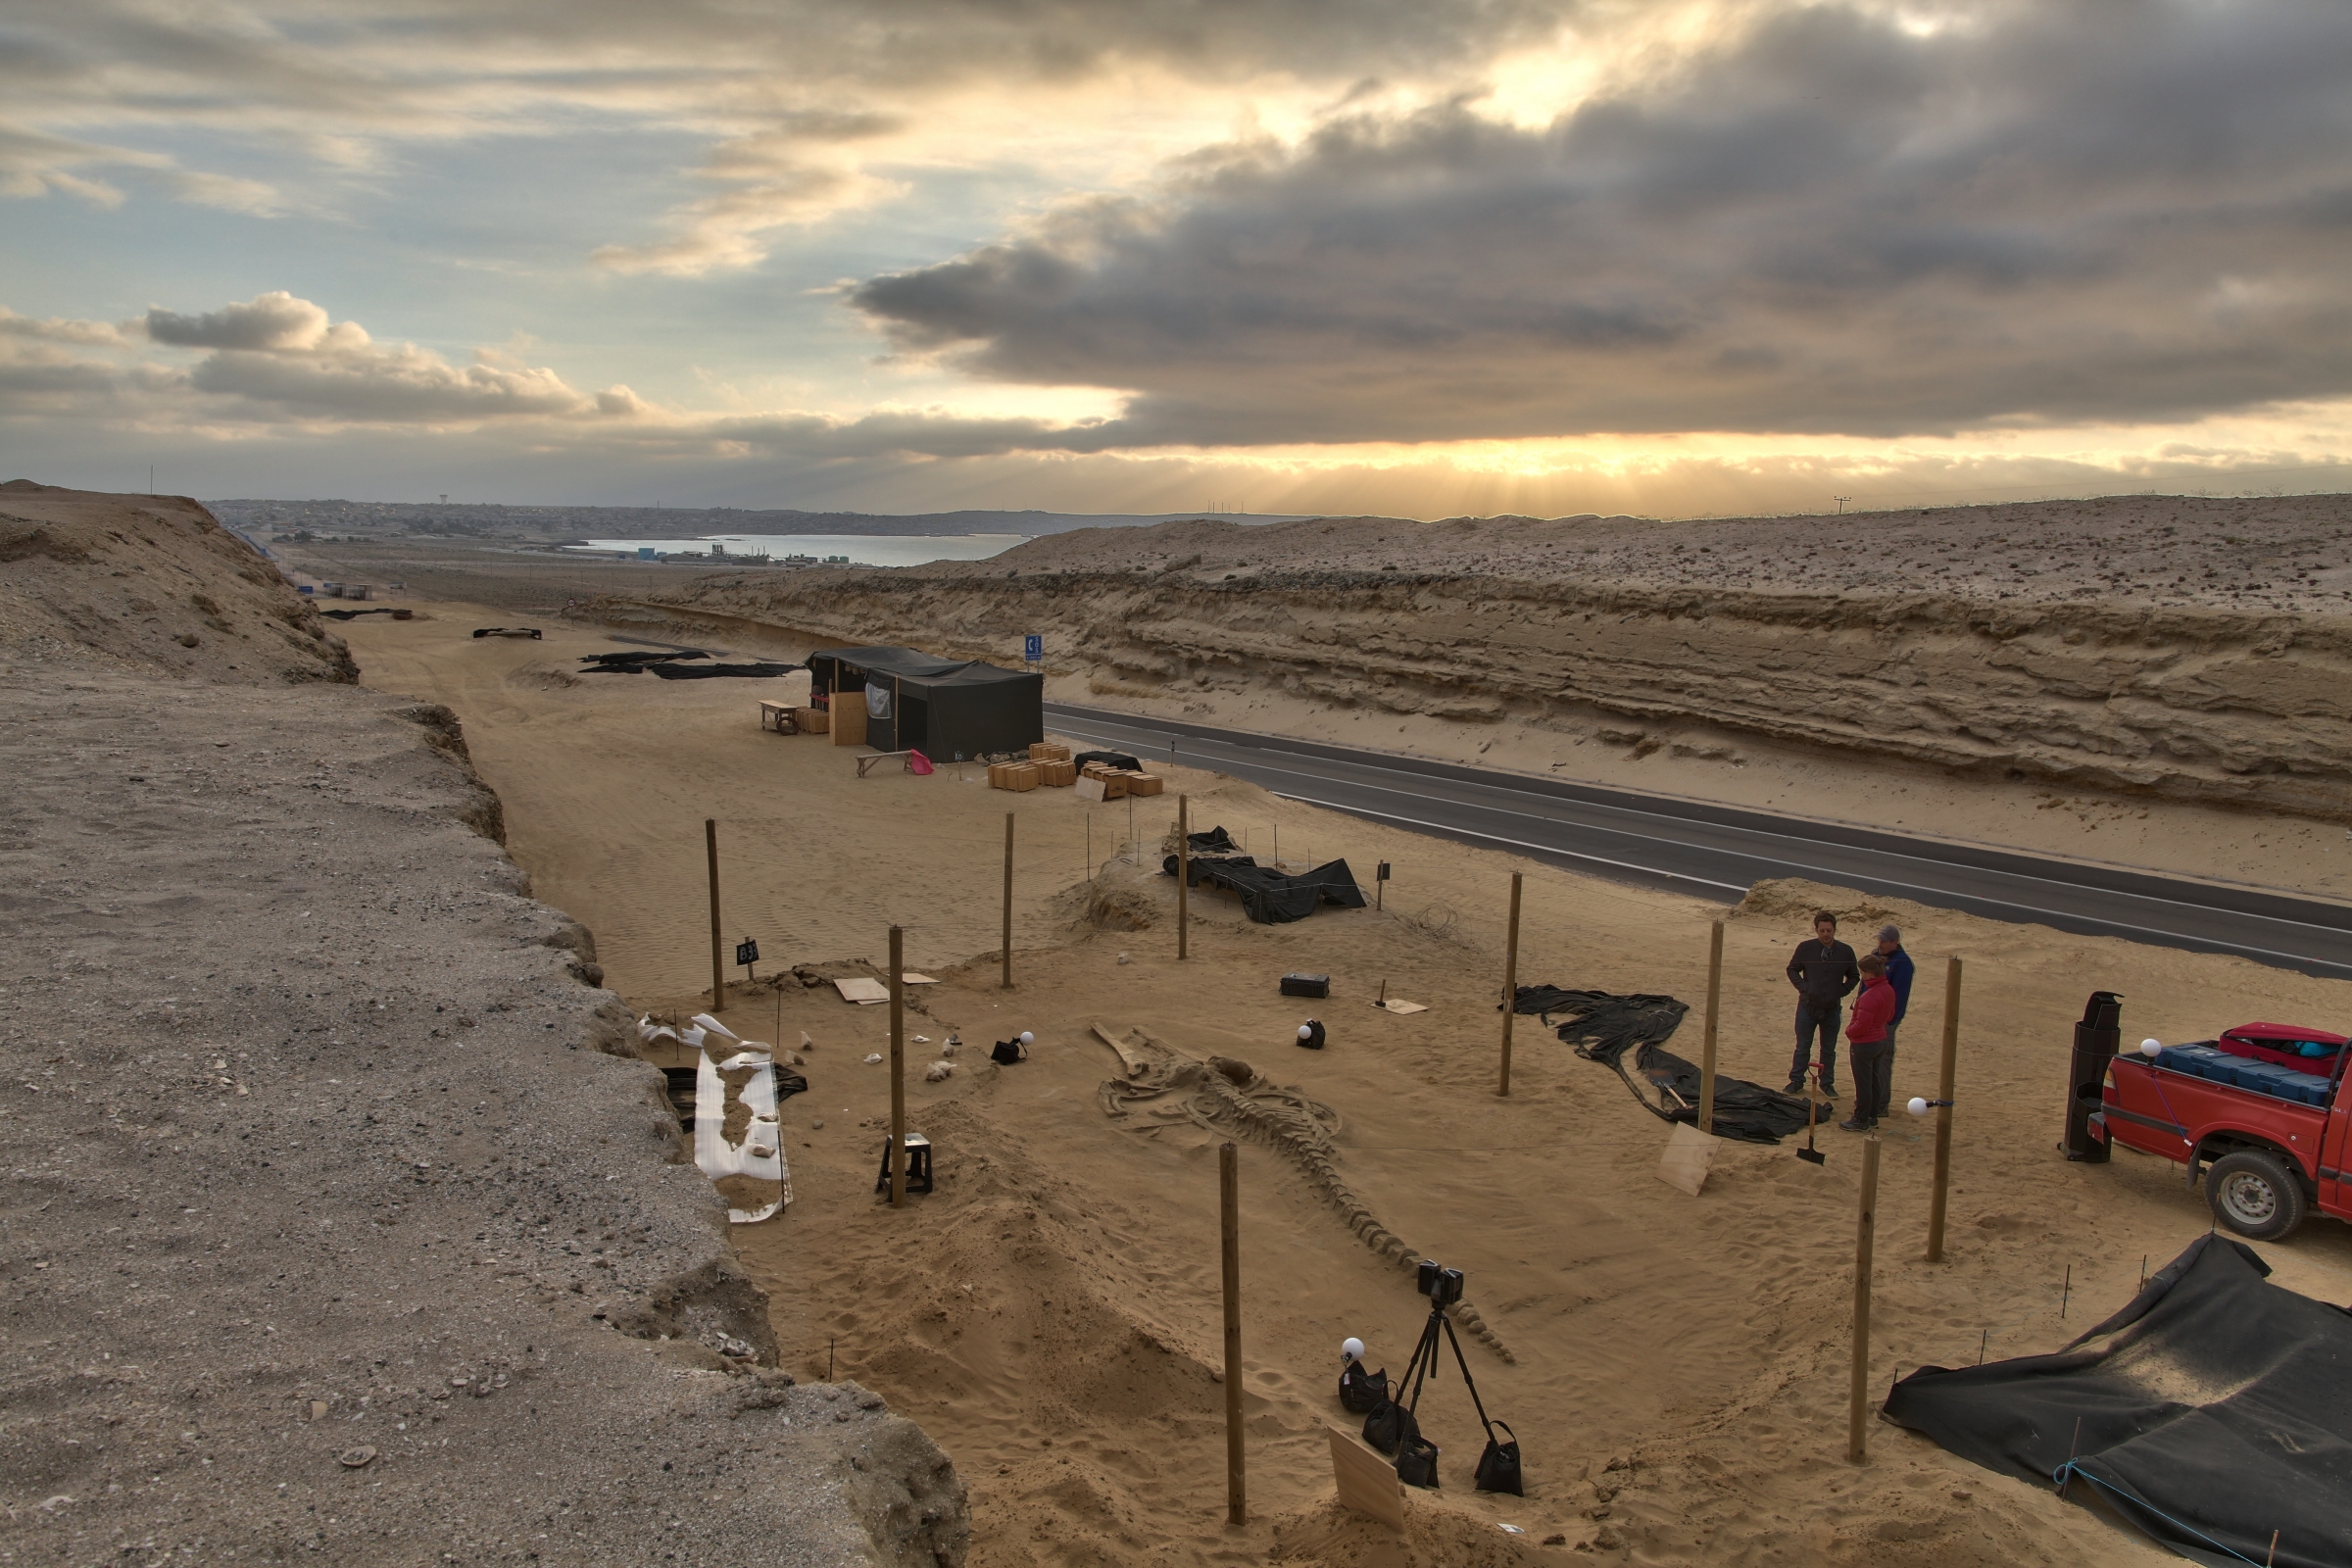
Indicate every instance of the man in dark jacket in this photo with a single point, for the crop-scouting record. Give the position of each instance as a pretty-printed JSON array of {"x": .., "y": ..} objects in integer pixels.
[
  {"x": 1822, "y": 972},
  {"x": 1899, "y": 971}
]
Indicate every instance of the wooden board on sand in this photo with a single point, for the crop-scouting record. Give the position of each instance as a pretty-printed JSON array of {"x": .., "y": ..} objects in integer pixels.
[
  {"x": 1367, "y": 1483},
  {"x": 863, "y": 992},
  {"x": 1689, "y": 1156}
]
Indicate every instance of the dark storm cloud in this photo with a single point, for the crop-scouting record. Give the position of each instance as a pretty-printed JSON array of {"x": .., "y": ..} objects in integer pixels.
[{"x": 1825, "y": 223}]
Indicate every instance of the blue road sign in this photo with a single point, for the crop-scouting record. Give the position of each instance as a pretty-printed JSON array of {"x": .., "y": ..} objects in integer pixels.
[{"x": 1033, "y": 648}]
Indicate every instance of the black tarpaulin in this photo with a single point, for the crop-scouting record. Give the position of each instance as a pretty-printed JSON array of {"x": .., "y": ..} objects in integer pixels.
[
  {"x": 1602, "y": 1028},
  {"x": 629, "y": 664},
  {"x": 2216, "y": 1408},
  {"x": 1216, "y": 841},
  {"x": 1118, "y": 759},
  {"x": 668, "y": 671},
  {"x": 1268, "y": 896}
]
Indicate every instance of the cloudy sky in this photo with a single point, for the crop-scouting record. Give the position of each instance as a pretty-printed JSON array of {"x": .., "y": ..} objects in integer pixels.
[{"x": 1416, "y": 257}]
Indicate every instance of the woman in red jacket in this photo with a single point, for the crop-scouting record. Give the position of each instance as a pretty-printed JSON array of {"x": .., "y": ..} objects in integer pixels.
[{"x": 1870, "y": 1052}]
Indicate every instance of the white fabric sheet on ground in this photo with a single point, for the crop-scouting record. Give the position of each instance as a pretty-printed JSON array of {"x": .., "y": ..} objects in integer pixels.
[{"x": 759, "y": 1153}]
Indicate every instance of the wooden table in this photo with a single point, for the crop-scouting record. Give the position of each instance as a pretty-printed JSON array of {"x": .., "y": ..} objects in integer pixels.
[{"x": 778, "y": 717}]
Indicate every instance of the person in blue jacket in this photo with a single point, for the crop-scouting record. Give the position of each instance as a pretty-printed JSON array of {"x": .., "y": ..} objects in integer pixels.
[{"x": 1899, "y": 971}]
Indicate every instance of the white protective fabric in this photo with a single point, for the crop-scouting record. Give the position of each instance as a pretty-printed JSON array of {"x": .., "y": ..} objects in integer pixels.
[{"x": 760, "y": 1153}]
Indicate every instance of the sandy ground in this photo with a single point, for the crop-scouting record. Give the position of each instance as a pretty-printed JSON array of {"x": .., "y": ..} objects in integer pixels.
[{"x": 1677, "y": 1368}]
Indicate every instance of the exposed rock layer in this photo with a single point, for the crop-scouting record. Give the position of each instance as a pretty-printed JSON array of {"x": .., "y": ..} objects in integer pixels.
[{"x": 2192, "y": 703}]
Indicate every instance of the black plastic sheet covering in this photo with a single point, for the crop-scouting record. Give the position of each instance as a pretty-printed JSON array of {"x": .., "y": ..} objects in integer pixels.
[
  {"x": 1216, "y": 841},
  {"x": 1602, "y": 1028},
  {"x": 1118, "y": 759},
  {"x": 1271, "y": 898},
  {"x": 2217, "y": 1409},
  {"x": 629, "y": 664},
  {"x": 719, "y": 672}
]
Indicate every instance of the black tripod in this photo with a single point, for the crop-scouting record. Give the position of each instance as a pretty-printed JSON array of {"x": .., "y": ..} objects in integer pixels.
[{"x": 1416, "y": 1457}]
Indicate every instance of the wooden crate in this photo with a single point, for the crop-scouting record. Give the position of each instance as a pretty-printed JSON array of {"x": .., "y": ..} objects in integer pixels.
[
  {"x": 1141, "y": 783},
  {"x": 1060, "y": 772},
  {"x": 849, "y": 719},
  {"x": 1023, "y": 776},
  {"x": 1047, "y": 751}
]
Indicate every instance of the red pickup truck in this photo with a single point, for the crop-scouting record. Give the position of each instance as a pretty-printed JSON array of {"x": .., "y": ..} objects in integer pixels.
[{"x": 2255, "y": 1111}]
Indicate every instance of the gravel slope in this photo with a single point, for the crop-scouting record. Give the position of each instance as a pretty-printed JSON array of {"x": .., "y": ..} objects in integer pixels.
[{"x": 330, "y": 1225}]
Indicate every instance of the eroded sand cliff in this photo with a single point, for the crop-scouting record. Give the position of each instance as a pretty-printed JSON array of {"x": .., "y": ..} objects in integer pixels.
[{"x": 2101, "y": 676}]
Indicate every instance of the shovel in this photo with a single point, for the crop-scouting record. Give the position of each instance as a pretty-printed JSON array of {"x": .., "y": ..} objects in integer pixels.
[{"x": 1810, "y": 1154}]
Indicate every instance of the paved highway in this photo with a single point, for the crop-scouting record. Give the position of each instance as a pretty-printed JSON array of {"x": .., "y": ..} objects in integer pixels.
[{"x": 1718, "y": 851}]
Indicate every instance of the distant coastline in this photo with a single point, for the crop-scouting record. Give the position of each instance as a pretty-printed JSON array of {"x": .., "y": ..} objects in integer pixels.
[
  {"x": 811, "y": 549},
  {"x": 454, "y": 519}
]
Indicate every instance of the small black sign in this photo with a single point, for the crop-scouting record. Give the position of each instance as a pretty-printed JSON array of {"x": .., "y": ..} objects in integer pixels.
[
  {"x": 747, "y": 953},
  {"x": 1383, "y": 874}
]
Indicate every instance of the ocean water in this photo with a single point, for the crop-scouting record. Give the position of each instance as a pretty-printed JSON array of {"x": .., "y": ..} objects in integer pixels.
[{"x": 862, "y": 548}]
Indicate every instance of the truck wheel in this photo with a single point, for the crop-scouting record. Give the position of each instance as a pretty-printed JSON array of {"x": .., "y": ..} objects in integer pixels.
[{"x": 2254, "y": 1195}]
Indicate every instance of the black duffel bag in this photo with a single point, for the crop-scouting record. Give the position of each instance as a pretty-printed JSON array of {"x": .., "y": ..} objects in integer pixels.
[
  {"x": 1384, "y": 1428},
  {"x": 1499, "y": 1466},
  {"x": 1361, "y": 1392},
  {"x": 1417, "y": 1458}
]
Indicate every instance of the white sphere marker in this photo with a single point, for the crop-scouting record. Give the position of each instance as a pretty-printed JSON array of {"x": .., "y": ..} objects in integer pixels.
[
  {"x": 1028, "y": 1038},
  {"x": 2149, "y": 1048},
  {"x": 1307, "y": 1032},
  {"x": 1917, "y": 1106},
  {"x": 1353, "y": 1349}
]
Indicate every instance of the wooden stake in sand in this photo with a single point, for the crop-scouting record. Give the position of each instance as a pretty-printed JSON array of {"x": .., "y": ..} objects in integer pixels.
[
  {"x": 1184, "y": 869},
  {"x": 897, "y": 1068},
  {"x": 1707, "y": 1054},
  {"x": 1944, "y": 1111},
  {"x": 1229, "y": 1207},
  {"x": 1510, "y": 986},
  {"x": 1865, "y": 1232},
  {"x": 718, "y": 971},
  {"x": 1007, "y": 981}
]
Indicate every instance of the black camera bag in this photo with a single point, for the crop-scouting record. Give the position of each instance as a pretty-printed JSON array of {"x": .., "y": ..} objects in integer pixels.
[
  {"x": 1416, "y": 1457},
  {"x": 1362, "y": 1391},
  {"x": 1499, "y": 1466},
  {"x": 1008, "y": 1052},
  {"x": 1384, "y": 1428}
]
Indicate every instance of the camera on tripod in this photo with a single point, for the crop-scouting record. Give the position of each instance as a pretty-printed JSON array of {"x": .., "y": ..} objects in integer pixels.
[
  {"x": 1393, "y": 1426},
  {"x": 1442, "y": 1286}
]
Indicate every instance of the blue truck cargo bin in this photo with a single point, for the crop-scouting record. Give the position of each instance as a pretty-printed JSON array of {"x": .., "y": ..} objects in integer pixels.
[{"x": 2261, "y": 1077}]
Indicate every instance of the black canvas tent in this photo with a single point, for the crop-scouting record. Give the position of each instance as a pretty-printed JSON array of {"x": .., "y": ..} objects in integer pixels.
[
  {"x": 2213, "y": 1410},
  {"x": 948, "y": 710}
]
